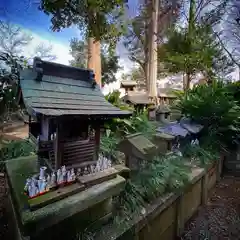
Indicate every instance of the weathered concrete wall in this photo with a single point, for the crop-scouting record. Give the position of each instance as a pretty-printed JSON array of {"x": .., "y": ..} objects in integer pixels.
[{"x": 166, "y": 217}]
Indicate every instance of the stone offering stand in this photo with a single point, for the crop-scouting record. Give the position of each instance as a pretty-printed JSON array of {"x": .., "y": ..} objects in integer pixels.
[{"x": 80, "y": 198}]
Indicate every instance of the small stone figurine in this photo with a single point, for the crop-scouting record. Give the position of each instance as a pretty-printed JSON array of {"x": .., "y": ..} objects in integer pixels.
[
  {"x": 73, "y": 176},
  {"x": 59, "y": 176},
  {"x": 68, "y": 176},
  {"x": 91, "y": 169},
  {"x": 79, "y": 172},
  {"x": 42, "y": 188},
  {"x": 28, "y": 183},
  {"x": 85, "y": 171},
  {"x": 64, "y": 174},
  {"x": 42, "y": 172},
  {"x": 53, "y": 180},
  {"x": 33, "y": 190},
  {"x": 109, "y": 164}
]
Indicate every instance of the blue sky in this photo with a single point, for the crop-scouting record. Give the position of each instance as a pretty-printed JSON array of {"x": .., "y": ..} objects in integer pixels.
[{"x": 26, "y": 14}]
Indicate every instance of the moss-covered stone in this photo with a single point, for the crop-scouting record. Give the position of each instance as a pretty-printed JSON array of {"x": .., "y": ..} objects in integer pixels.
[{"x": 34, "y": 222}]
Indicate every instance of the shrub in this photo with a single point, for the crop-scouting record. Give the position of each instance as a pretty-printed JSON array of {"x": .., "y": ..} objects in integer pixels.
[
  {"x": 15, "y": 149},
  {"x": 215, "y": 108}
]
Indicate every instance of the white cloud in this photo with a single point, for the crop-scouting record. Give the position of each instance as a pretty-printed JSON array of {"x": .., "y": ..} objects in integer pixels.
[{"x": 61, "y": 51}]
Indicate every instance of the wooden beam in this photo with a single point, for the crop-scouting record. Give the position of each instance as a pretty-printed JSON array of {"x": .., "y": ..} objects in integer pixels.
[
  {"x": 58, "y": 145},
  {"x": 97, "y": 140}
]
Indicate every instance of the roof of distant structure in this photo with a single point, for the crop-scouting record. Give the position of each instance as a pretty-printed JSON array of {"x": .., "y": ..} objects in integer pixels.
[
  {"x": 166, "y": 92},
  {"x": 54, "y": 89},
  {"x": 128, "y": 83},
  {"x": 135, "y": 98}
]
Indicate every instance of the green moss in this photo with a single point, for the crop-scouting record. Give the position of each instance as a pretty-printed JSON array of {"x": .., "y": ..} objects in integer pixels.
[
  {"x": 36, "y": 221},
  {"x": 18, "y": 171}
]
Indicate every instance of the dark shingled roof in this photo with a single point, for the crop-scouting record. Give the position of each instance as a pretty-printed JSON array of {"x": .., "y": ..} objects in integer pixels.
[
  {"x": 64, "y": 90},
  {"x": 137, "y": 98},
  {"x": 128, "y": 83}
]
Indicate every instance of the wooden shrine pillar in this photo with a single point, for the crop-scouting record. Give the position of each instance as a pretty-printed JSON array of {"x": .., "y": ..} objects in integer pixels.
[
  {"x": 97, "y": 129},
  {"x": 58, "y": 145}
]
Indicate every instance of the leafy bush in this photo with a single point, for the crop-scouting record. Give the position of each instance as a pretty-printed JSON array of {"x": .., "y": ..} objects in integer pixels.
[
  {"x": 200, "y": 156},
  {"x": 215, "y": 108},
  {"x": 114, "y": 99},
  {"x": 161, "y": 175},
  {"x": 15, "y": 149},
  {"x": 108, "y": 145}
]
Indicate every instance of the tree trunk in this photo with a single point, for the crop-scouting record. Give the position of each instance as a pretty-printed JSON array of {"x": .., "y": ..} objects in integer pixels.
[
  {"x": 191, "y": 17},
  {"x": 191, "y": 27},
  {"x": 91, "y": 54},
  {"x": 152, "y": 87},
  {"x": 147, "y": 33},
  {"x": 94, "y": 58},
  {"x": 98, "y": 67}
]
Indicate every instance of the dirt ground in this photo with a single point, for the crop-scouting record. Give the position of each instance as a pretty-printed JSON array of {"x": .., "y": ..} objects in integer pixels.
[
  {"x": 17, "y": 133},
  {"x": 220, "y": 218}
]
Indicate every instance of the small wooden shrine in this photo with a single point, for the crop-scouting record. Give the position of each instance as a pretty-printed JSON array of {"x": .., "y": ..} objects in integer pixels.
[
  {"x": 128, "y": 86},
  {"x": 69, "y": 111},
  {"x": 139, "y": 100},
  {"x": 136, "y": 148}
]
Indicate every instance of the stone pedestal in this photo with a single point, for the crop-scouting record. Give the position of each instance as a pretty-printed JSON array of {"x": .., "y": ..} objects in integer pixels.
[
  {"x": 163, "y": 142},
  {"x": 63, "y": 218}
]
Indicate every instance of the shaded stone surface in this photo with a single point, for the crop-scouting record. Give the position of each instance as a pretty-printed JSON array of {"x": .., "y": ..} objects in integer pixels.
[{"x": 34, "y": 222}]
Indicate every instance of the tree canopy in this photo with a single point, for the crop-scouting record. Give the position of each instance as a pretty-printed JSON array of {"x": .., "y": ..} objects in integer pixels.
[
  {"x": 195, "y": 47},
  {"x": 98, "y": 18}
]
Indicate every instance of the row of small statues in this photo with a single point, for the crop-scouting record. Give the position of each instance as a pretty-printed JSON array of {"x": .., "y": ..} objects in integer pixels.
[
  {"x": 44, "y": 182},
  {"x": 41, "y": 184}
]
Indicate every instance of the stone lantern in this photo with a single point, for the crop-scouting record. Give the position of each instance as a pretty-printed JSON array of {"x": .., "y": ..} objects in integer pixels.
[{"x": 162, "y": 113}]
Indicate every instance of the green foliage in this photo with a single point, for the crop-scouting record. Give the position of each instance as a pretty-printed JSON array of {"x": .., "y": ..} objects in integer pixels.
[
  {"x": 101, "y": 19},
  {"x": 9, "y": 77},
  {"x": 161, "y": 175},
  {"x": 109, "y": 60},
  {"x": 114, "y": 99},
  {"x": 15, "y": 149},
  {"x": 78, "y": 50},
  {"x": 234, "y": 88},
  {"x": 213, "y": 107},
  {"x": 108, "y": 145},
  {"x": 199, "y": 52},
  {"x": 200, "y": 156}
]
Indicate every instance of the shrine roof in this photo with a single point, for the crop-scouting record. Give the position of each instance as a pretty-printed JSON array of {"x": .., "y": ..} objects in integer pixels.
[
  {"x": 137, "y": 98},
  {"x": 55, "y": 90},
  {"x": 128, "y": 83}
]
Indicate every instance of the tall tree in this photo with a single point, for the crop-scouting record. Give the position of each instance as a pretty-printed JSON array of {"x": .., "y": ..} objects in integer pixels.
[
  {"x": 152, "y": 78},
  {"x": 137, "y": 37},
  {"x": 195, "y": 48},
  {"x": 109, "y": 61},
  {"x": 100, "y": 19}
]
